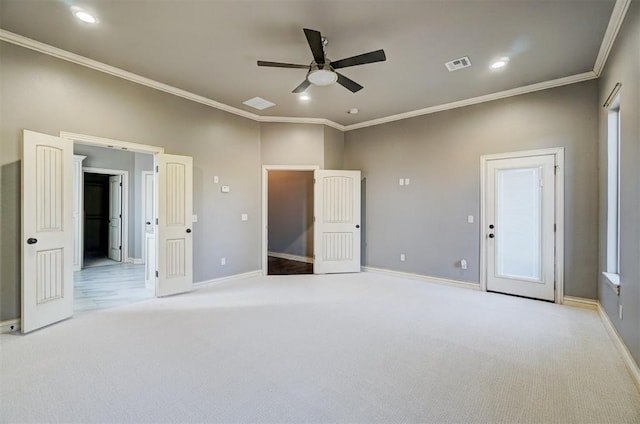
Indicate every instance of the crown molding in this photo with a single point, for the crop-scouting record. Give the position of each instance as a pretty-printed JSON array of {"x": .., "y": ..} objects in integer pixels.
[
  {"x": 615, "y": 22},
  {"x": 476, "y": 100},
  {"x": 295, "y": 120}
]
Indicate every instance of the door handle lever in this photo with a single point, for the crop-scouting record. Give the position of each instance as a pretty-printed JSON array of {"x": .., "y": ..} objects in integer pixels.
[
  {"x": 32, "y": 240},
  {"x": 188, "y": 230},
  {"x": 491, "y": 235}
]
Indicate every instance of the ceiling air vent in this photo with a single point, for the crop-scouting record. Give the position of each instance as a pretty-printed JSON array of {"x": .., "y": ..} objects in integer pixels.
[
  {"x": 456, "y": 64},
  {"x": 258, "y": 103}
]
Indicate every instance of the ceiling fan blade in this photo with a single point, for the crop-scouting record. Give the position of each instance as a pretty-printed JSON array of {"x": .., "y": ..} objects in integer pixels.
[
  {"x": 349, "y": 84},
  {"x": 371, "y": 57},
  {"x": 282, "y": 65},
  {"x": 303, "y": 86},
  {"x": 314, "y": 38}
]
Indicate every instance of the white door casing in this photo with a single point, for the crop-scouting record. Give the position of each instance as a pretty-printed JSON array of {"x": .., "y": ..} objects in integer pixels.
[
  {"x": 47, "y": 230},
  {"x": 337, "y": 222},
  {"x": 78, "y": 211},
  {"x": 174, "y": 236},
  {"x": 115, "y": 217},
  {"x": 520, "y": 218},
  {"x": 149, "y": 225}
]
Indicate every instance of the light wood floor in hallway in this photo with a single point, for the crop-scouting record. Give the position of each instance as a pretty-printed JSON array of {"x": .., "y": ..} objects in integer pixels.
[
  {"x": 360, "y": 348},
  {"x": 109, "y": 286}
]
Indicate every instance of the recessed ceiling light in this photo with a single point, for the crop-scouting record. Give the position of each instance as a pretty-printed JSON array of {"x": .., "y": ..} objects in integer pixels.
[
  {"x": 501, "y": 63},
  {"x": 305, "y": 97},
  {"x": 83, "y": 15}
]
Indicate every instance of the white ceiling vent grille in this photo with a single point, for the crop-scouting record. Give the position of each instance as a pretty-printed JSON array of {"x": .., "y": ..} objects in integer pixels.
[
  {"x": 259, "y": 103},
  {"x": 456, "y": 64}
]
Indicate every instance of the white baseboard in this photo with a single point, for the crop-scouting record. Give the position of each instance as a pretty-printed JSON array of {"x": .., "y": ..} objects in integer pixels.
[
  {"x": 215, "y": 281},
  {"x": 580, "y": 302},
  {"x": 631, "y": 364},
  {"x": 420, "y": 277},
  {"x": 10, "y": 325},
  {"x": 135, "y": 261},
  {"x": 291, "y": 257}
]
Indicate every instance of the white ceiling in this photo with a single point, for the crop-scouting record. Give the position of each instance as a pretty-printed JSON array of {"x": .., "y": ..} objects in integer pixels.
[{"x": 210, "y": 48}]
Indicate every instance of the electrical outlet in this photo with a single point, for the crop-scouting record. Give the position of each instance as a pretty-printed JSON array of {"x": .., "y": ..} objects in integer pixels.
[
  {"x": 244, "y": 217},
  {"x": 401, "y": 181},
  {"x": 402, "y": 257},
  {"x": 620, "y": 312},
  {"x": 463, "y": 263},
  {"x": 470, "y": 219},
  {"x": 223, "y": 261},
  {"x": 216, "y": 180},
  {"x": 407, "y": 181}
]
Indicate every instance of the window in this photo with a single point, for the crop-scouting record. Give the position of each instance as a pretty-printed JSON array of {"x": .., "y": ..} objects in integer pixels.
[
  {"x": 612, "y": 270},
  {"x": 613, "y": 188}
]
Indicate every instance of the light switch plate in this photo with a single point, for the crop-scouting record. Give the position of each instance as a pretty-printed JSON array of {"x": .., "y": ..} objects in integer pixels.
[
  {"x": 407, "y": 181},
  {"x": 244, "y": 217},
  {"x": 470, "y": 219},
  {"x": 216, "y": 180},
  {"x": 401, "y": 181},
  {"x": 194, "y": 218},
  {"x": 225, "y": 189}
]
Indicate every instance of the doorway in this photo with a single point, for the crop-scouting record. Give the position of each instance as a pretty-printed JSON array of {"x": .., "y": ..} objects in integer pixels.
[
  {"x": 105, "y": 219},
  {"x": 290, "y": 222},
  {"x": 522, "y": 224}
]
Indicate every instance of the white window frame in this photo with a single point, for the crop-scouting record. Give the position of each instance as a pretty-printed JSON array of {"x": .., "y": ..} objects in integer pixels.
[{"x": 612, "y": 261}]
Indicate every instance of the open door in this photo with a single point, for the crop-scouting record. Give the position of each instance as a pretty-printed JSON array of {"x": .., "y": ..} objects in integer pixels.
[
  {"x": 337, "y": 222},
  {"x": 148, "y": 179},
  {"x": 175, "y": 243},
  {"x": 115, "y": 217},
  {"x": 47, "y": 230}
]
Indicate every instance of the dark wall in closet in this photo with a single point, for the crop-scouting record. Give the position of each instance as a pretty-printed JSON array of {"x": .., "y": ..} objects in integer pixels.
[{"x": 96, "y": 218}]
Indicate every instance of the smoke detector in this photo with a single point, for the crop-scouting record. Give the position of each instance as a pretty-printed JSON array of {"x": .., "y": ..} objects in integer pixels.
[{"x": 457, "y": 64}]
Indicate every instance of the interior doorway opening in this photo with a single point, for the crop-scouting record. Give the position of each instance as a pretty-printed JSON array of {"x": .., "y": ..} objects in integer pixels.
[
  {"x": 111, "y": 236},
  {"x": 290, "y": 222}
]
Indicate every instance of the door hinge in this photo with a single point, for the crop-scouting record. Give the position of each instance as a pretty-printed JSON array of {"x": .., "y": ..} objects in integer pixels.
[
  {"x": 120, "y": 215},
  {"x": 314, "y": 219},
  {"x": 120, "y": 184},
  {"x": 120, "y": 247},
  {"x": 314, "y": 180},
  {"x": 555, "y": 169},
  {"x": 157, "y": 168},
  {"x": 156, "y": 221},
  {"x": 554, "y": 228},
  {"x": 156, "y": 274}
]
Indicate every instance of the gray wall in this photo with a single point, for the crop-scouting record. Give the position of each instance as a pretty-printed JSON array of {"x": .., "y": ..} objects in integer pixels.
[
  {"x": 440, "y": 153},
  {"x": 134, "y": 163},
  {"x": 292, "y": 144},
  {"x": 48, "y": 95},
  {"x": 290, "y": 214},
  {"x": 333, "y": 148},
  {"x": 623, "y": 66}
]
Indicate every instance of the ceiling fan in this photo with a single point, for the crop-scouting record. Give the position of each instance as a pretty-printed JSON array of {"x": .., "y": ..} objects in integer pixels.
[{"x": 322, "y": 71}]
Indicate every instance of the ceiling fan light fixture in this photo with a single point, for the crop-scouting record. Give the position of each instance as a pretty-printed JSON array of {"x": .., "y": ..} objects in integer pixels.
[
  {"x": 322, "y": 77},
  {"x": 83, "y": 15}
]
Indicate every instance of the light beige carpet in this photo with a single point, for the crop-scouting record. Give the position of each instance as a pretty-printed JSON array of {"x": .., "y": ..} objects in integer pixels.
[{"x": 326, "y": 349}]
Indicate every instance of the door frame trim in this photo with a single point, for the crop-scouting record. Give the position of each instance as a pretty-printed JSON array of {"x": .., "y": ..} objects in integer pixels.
[
  {"x": 558, "y": 153},
  {"x": 120, "y": 145},
  {"x": 264, "y": 251},
  {"x": 124, "y": 206}
]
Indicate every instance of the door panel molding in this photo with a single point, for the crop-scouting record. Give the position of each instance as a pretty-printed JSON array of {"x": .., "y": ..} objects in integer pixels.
[{"x": 558, "y": 154}]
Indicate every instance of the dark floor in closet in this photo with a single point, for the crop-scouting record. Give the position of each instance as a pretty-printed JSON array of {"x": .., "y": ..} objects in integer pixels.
[{"x": 278, "y": 266}]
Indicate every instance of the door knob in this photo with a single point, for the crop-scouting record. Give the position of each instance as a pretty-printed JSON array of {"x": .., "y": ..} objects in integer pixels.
[
  {"x": 357, "y": 226},
  {"x": 32, "y": 240},
  {"x": 188, "y": 230},
  {"x": 491, "y": 236},
  {"x": 491, "y": 226},
  {"x": 148, "y": 223}
]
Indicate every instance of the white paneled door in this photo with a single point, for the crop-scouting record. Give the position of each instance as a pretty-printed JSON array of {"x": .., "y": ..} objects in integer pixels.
[
  {"x": 47, "y": 230},
  {"x": 175, "y": 243},
  {"x": 337, "y": 222},
  {"x": 115, "y": 217},
  {"x": 520, "y": 211}
]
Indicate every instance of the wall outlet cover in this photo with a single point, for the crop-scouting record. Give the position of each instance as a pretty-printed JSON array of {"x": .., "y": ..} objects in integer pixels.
[{"x": 225, "y": 189}]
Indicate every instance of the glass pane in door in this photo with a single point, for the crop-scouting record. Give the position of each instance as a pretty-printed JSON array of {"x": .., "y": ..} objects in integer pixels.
[{"x": 518, "y": 223}]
